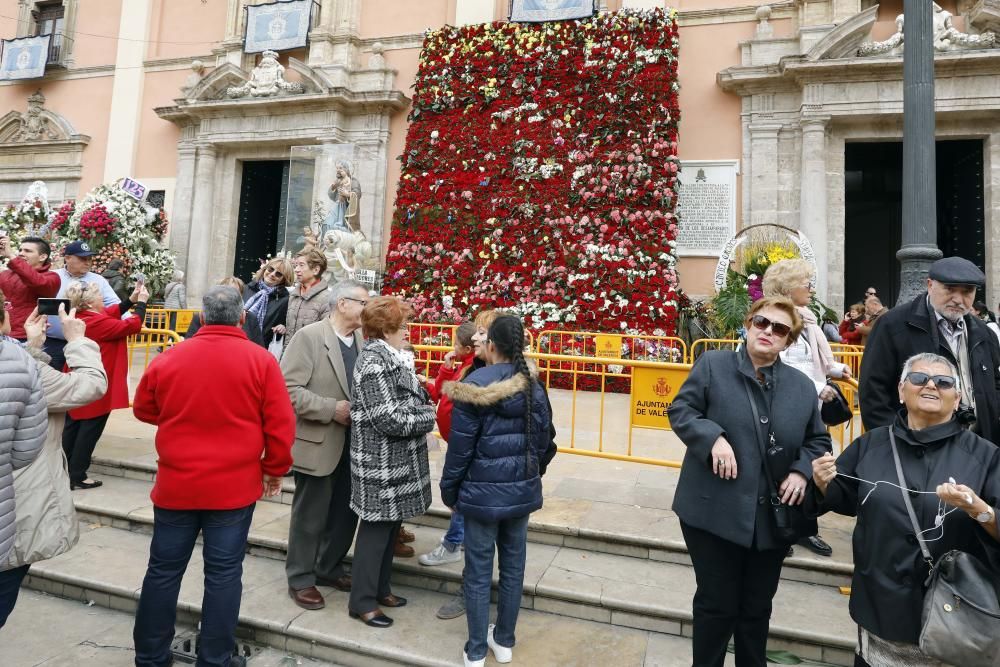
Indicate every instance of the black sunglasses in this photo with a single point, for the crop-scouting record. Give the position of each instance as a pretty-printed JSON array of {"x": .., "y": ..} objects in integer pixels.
[
  {"x": 276, "y": 272},
  {"x": 918, "y": 379},
  {"x": 762, "y": 323}
]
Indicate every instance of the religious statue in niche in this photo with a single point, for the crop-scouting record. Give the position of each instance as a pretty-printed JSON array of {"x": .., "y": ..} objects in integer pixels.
[
  {"x": 345, "y": 193},
  {"x": 266, "y": 80},
  {"x": 34, "y": 126},
  {"x": 946, "y": 37}
]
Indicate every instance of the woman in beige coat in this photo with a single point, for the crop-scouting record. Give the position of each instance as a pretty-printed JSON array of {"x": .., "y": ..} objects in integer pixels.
[
  {"x": 308, "y": 300},
  {"x": 46, "y": 522}
]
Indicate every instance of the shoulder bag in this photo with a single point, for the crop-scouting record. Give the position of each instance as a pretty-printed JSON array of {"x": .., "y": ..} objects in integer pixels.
[
  {"x": 960, "y": 623},
  {"x": 789, "y": 520}
]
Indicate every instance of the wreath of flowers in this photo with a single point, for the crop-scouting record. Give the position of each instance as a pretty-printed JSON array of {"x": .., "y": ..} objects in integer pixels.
[{"x": 540, "y": 172}]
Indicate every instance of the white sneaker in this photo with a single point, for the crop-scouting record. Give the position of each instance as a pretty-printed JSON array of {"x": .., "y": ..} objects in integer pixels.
[
  {"x": 501, "y": 653},
  {"x": 441, "y": 556},
  {"x": 473, "y": 663}
]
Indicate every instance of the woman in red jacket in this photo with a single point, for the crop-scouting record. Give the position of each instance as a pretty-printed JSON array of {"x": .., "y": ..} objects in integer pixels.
[
  {"x": 848, "y": 327},
  {"x": 84, "y": 426}
]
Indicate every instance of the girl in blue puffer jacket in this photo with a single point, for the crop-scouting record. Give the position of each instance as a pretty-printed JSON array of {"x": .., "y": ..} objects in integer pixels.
[{"x": 501, "y": 442}]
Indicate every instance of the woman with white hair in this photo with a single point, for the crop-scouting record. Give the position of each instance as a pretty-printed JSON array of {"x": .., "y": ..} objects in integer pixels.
[
  {"x": 105, "y": 326},
  {"x": 811, "y": 353},
  {"x": 174, "y": 294}
]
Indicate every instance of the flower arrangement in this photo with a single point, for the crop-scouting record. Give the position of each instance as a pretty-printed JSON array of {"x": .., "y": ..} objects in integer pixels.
[
  {"x": 25, "y": 218},
  {"x": 540, "y": 172},
  {"x": 95, "y": 222}
]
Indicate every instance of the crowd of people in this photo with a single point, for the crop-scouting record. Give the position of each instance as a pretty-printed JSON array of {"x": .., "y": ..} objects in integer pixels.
[{"x": 316, "y": 380}]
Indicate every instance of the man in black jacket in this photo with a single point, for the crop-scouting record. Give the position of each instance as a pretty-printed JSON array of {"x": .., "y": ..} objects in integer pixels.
[{"x": 937, "y": 322}]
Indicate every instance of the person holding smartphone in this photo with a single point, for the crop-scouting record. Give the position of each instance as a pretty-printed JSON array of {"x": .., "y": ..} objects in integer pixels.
[
  {"x": 28, "y": 277},
  {"x": 105, "y": 326}
]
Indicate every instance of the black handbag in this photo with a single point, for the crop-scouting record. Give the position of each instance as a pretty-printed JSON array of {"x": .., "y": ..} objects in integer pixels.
[
  {"x": 790, "y": 522},
  {"x": 960, "y": 623},
  {"x": 838, "y": 410}
]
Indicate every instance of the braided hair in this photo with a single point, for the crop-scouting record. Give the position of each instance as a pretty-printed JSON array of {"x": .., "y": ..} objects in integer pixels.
[{"x": 507, "y": 334}]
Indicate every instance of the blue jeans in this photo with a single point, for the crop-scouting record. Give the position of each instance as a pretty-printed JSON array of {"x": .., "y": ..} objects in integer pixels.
[
  {"x": 224, "y": 533},
  {"x": 510, "y": 538},
  {"x": 456, "y": 532}
]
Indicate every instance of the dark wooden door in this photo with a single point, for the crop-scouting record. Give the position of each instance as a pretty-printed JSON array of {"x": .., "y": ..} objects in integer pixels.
[{"x": 262, "y": 208}]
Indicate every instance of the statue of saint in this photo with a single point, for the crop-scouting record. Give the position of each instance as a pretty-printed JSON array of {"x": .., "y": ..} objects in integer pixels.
[{"x": 345, "y": 193}]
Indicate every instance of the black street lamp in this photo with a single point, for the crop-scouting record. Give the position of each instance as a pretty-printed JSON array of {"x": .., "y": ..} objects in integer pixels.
[{"x": 919, "y": 247}]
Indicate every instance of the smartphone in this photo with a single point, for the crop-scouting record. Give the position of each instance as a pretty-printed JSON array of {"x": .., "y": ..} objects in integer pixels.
[
  {"x": 139, "y": 277},
  {"x": 51, "y": 306}
]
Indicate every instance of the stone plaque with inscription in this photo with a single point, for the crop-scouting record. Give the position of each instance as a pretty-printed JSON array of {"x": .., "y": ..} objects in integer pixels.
[{"x": 706, "y": 206}]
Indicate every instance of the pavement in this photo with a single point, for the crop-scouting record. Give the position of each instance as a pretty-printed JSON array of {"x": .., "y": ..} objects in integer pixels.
[{"x": 87, "y": 635}]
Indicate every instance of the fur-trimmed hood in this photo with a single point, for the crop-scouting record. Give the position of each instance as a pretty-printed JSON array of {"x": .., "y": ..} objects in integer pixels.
[{"x": 485, "y": 396}]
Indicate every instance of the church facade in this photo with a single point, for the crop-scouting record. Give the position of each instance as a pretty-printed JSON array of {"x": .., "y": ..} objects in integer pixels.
[{"x": 800, "y": 101}]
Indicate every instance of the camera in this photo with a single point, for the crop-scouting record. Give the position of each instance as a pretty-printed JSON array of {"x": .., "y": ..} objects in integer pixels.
[{"x": 966, "y": 417}]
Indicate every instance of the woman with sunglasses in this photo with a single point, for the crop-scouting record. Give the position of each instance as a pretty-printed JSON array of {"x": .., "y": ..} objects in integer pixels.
[
  {"x": 811, "y": 353},
  {"x": 734, "y": 406},
  {"x": 266, "y": 297},
  {"x": 933, "y": 448}
]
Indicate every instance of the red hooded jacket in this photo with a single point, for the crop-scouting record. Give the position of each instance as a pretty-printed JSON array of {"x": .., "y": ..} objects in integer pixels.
[
  {"x": 22, "y": 286},
  {"x": 224, "y": 418},
  {"x": 435, "y": 389}
]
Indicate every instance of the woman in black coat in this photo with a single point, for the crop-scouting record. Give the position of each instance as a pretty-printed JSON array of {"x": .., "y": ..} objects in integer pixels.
[
  {"x": 723, "y": 498},
  {"x": 889, "y": 570},
  {"x": 266, "y": 296}
]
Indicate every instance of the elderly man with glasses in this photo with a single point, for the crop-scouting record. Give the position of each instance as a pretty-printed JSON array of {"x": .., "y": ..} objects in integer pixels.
[
  {"x": 318, "y": 366},
  {"x": 938, "y": 322}
]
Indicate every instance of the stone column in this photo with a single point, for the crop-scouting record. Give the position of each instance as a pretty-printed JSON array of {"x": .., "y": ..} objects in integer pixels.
[
  {"x": 764, "y": 173},
  {"x": 812, "y": 206},
  {"x": 200, "y": 238},
  {"x": 180, "y": 223}
]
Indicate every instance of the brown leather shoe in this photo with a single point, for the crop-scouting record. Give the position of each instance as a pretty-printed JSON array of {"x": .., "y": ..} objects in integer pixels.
[
  {"x": 406, "y": 536},
  {"x": 391, "y": 600},
  {"x": 340, "y": 583},
  {"x": 400, "y": 550},
  {"x": 307, "y": 598}
]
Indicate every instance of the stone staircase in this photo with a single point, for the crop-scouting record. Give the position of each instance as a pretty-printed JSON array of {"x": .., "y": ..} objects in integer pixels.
[{"x": 591, "y": 594}]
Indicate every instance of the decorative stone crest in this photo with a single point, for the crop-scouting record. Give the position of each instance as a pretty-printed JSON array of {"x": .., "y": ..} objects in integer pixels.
[
  {"x": 34, "y": 126},
  {"x": 946, "y": 37},
  {"x": 266, "y": 80}
]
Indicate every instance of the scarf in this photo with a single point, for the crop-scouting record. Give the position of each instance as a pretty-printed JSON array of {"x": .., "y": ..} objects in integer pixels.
[
  {"x": 257, "y": 304},
  {"x": 815, "y": 338}
]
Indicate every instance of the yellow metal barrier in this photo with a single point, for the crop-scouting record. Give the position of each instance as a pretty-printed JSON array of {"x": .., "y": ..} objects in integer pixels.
[
  {"x": 850, "y": 355},
  {"x": 612, "y": 345},
  {"x": 705, "y": 344},
  {"x": 174, "y": 319},
  {"x": 844, "y": 434},
  {"x": 148, "y": 343}
]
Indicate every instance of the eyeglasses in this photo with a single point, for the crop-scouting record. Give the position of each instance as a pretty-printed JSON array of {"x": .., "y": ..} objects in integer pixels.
[
  {"x": 762, "y": 323},
  {"x": 363, "y": 302},
  {"x": 918, "y": 379},
  {"x": 276, "y": 272}
]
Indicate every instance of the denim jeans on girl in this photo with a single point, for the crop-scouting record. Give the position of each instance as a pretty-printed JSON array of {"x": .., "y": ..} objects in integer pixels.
[
  {"x": 509, "y": 537},
  {"x": 456, "y": 532}
]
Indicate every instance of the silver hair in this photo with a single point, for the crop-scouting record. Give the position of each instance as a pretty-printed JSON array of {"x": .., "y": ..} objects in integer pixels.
[
  {"x": 927, "y": 358},
  {"x": 343, "y": 289},
  {"x": 222, "y": 305}
]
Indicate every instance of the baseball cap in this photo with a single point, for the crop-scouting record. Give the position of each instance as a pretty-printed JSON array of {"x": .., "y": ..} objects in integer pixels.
[{"x": 79, "y": 248}]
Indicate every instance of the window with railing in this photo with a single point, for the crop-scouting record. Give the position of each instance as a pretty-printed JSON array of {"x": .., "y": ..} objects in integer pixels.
[{"x": 48, "y": 17}]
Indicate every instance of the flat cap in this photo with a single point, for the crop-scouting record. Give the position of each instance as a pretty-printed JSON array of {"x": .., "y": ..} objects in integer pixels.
[{"x": 957, "y": 271}]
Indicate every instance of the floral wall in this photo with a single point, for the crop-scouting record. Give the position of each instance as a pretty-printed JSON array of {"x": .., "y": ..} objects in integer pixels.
[{"x": 540, "y": 173}]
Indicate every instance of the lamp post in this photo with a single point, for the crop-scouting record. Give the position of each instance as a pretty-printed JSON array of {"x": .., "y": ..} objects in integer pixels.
[{"x": 919, "y": 247}]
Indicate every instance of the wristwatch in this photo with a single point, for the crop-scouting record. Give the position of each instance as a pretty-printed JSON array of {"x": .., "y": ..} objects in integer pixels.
[{"x": 985, "y": 517}]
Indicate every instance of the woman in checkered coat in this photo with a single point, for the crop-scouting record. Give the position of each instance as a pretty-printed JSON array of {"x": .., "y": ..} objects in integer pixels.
[{"x": 391, "y": 415}]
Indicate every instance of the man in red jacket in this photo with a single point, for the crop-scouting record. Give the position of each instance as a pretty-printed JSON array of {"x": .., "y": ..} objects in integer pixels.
[
  {"x": 26, "y": 278},
  {"x": 223, "y": 441}
]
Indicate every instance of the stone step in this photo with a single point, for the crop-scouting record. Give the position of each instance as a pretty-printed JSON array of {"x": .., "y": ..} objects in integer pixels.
[
  {"x": 107, "y": 566},
  {"x": 612, "y": 589},
  {"x": 627, "y": 530}
]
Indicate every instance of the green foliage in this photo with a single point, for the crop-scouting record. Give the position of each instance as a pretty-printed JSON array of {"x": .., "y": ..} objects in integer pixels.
[{"x": 731, "y": 306}]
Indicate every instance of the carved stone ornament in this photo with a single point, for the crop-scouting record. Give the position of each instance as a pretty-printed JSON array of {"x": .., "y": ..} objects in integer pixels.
[
  {"x": 266, "y": 80},
  {"x": 946, "y": 38},
  {"x": 34, "y": 126}
]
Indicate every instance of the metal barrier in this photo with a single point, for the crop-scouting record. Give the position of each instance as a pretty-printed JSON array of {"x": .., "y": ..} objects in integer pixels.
[
  {"x": 711, "y": 344},
  {"x": 844, "y": 434},
  {"x": 173, "y": 319},
  {"x": 148, "y": 343},
  {"x": 612, "y": 346},
  {"x": 850, "y": 355}
]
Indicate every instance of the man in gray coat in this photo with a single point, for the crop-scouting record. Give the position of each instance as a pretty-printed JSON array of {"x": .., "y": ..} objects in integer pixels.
[
  {"x": 318, "y": 366},
  {"x": 25, "y": 420}
]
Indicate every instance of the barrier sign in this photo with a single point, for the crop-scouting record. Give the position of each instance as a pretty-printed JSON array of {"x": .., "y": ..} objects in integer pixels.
[
  {"x": 653, "y": 390},
  {"x": 184, "y": 319},
  {"x": 609, "y": 346}
]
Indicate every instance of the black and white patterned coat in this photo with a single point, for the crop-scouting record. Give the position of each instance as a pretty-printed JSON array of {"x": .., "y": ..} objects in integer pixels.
[{"x": 391, "y": 415}]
